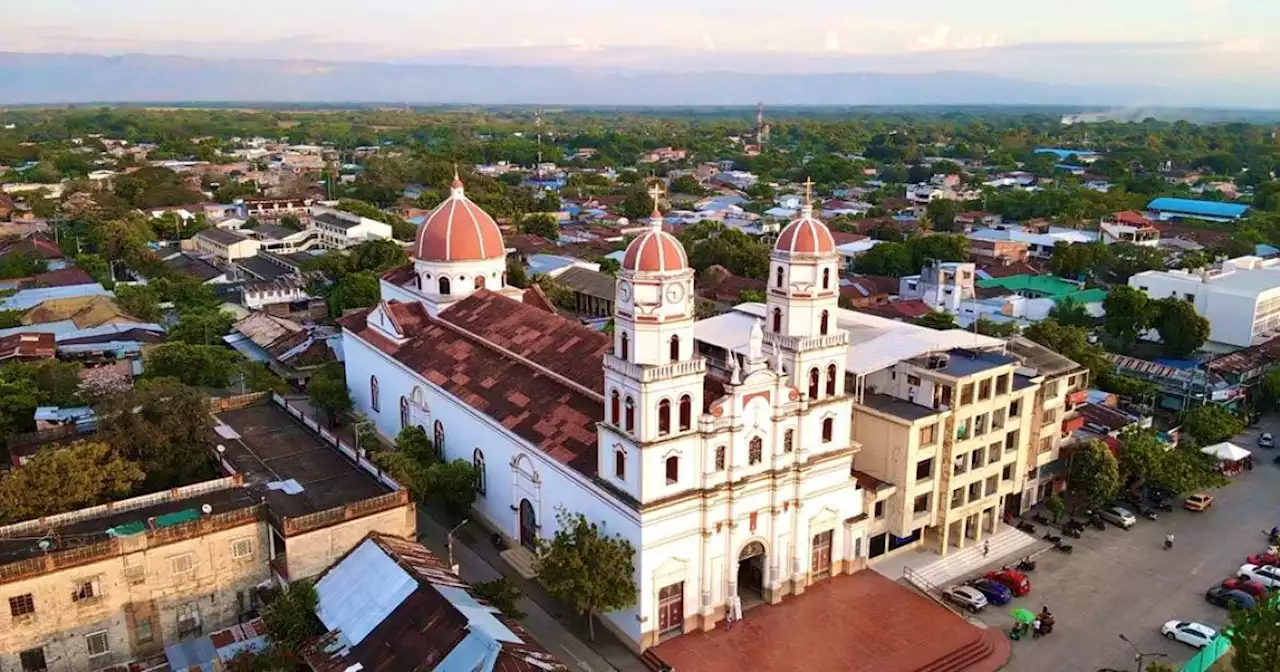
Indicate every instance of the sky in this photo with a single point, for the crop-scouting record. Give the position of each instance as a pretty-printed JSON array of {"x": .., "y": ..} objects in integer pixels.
[{"x": 1085, "y": 41}]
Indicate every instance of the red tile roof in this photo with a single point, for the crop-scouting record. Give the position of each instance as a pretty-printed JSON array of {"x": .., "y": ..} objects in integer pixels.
[
  {"x": 843, "y": 238},
  {"x": 527, "y": 243},
  {"x": 35, "y": 246},
  {"x": 870, "y": 285},
  {"x": 63, "y": 277},
  {"x": 27, "y": 346},
  {"x": 534, "y": 296},
  {"x": 400, "y": 275},
  {"x": 1009, "y": 270},
  {"x": 1131, "y": 218},
  {"x": 537, "y": 373}
]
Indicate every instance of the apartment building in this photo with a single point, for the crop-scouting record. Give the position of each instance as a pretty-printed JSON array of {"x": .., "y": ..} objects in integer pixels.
[
  {"x": 340, "y": 230},
  {"x": 222, "y": 243},
  {"x": 273, "y": 209},
  {"x": 1054, "y": 419},
  {"x": 114, "y": 584},
  {"x": 1241, "y": 298}
]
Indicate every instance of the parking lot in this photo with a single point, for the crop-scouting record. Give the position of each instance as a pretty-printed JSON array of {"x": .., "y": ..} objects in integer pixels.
[{"x": 1123, "y": 582}]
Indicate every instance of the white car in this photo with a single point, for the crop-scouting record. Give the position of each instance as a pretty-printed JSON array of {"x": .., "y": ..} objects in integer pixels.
[
  {"x": 1194, "y": 634},
  {"x": 1119, "y": 516},
  {"x": 1267, "y": 575},
  {"x": 966, "y": 596}
]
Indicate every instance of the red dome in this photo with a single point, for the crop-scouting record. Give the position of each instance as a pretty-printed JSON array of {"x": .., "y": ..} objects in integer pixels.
[
  {"x": 458, "y": 230},
  {"x": 655, "y": 251},
  {"x": 805, "y": 236}
]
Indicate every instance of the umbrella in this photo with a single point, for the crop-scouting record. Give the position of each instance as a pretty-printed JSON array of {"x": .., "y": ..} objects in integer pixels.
[{"x": 1023, "y": 616}]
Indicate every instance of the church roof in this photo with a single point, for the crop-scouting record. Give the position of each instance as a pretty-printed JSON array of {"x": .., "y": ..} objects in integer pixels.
[{"x": 536, "y": 373}]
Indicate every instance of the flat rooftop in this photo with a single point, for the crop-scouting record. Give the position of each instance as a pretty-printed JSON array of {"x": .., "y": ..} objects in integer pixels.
[
  {"x": 268, "y": 446},
  {"x": 961, "y": 363},
  {"x": 897, "y": 407}
]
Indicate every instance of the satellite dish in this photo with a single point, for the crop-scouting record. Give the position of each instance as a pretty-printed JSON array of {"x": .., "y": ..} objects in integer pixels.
[
  {"x": 45, "y": 544},
  {"x": 207, "y": 509},
  {"x": 221, "y": 448}
]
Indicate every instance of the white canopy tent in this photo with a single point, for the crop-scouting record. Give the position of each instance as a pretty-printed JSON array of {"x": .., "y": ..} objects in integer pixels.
[{"x": 1226, "y": 451}]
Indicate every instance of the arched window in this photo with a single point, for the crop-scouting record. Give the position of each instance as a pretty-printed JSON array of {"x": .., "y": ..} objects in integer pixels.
[
  {"x": 822, "y": 325},
  {"x": 831, "y": 380},
  {"x": 719, "y": 458},
  {"x": 755, "y": 451},
  {"x": 624, "y": 345},
  {"x": 444, "y": 285},
  {"x": 686, "y": 412},
  {"x": 439, "y": 439},
  {"x": 813, "y": 383},
  {"x": 664, "y": 417},
  {"x": 675, "y": 348},
  {"x": 673, "y": 470},
  {"x": 614, "y": 405},
  {"x": 620, "y": 464},
  {"x": 788, "y": 440},
  {"x": 404, "y": 412},
  {"x": 479, "y": 282},
  {"x": 826, "y": 278},
  {"x": 630, "y": 410},
  {"x": 778, "y": 277},
  {"x": 477, "y": 461},
  {"x": 777, "y": 320},
  {"x": 828, "y": 430},
  {"x": 374, "y": 403}
]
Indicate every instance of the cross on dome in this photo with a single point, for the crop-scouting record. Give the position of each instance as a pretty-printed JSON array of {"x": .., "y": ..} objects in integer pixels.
[
  {"x": 655, "y": 192},
  {"x": 808, "y": 197},
  {"x": 455, "y": 189}
]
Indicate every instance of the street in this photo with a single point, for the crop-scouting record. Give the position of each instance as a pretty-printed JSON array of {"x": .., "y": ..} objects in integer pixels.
[{"x": 1119, "y": 582}]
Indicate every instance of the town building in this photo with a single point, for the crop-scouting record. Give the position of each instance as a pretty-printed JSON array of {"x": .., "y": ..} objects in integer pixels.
[
  {"x": 985, "y": 250},
  {"x": 340, "y": 230},
  {"x": 224, "y": 244},
  {"x": 1166, "y": 208},
  {"x": 1241, "y": 298},
  {"x": 1129, "y": 227},
  {"x": 273, "y": 209}
]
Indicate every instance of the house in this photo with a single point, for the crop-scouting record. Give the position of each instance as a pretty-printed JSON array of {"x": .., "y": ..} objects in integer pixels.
[
  {"x": 852, "y": 249},
  {"x": 1129, "y": 227},
  {"x": 593, "y": 290},
  {"x": 272, "y": 209},
  {"x": 285, "y": 296},
  {"x": 1166, "y": 208},
  {"x": 390, "y": 604},
  {"x": 195, "y": 266},
  {"x": 291, "y": 350},
  {"x": 663, "y": 155},
  {"x": 340, "y": 230},
  {"x": 26, "y": 345},
  {"x": 1040, "y": 244},
  {"x": 1000, "y": 252},
  {"x": 37, "y": 247},
  {"x": 1240, "y": 298},
  {"x": 719, "y": 285},
  {"x": 224, "y": 244}
]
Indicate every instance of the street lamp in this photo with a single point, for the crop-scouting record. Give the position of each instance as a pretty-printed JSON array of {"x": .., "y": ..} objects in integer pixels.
[
  {"x": 449, "y": 540},
  {"x": 1138, "y": 655}
]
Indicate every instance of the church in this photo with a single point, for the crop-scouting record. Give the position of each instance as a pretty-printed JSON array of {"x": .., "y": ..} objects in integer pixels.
[{"x": 728, "y": 467}]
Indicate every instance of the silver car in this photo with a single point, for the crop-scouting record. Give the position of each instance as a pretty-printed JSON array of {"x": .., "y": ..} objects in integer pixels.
[
  {"x": 966, "y": 596},
  {"x": 1119, "y": 516}
]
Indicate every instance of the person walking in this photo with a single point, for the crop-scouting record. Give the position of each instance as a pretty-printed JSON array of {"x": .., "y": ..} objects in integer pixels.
[
  {"x": 986, "y": 548},
  {"x": 728, "y": 613}
]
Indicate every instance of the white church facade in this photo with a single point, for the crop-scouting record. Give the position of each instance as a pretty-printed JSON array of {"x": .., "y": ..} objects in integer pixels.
[{"x": 729, "y": 472}]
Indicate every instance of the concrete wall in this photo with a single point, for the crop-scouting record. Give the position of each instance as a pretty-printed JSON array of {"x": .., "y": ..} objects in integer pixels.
[{"x": 310, "y": 553}]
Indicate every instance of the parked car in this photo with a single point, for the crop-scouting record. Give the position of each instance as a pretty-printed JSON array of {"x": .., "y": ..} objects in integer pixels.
[
  {"x": 966, "y": 596},
  {"x": 1265, "y": 440},
  {"x": 1012, "y": 579},
  {"x": 1189, "y": 632},
  {"x": 995, "y": 593},
  {"x": 1232, "y": 599},
  {"x": 1253, "y": 588},
  {"x": 1267, "y": 575},
  {"x": 1263, "y": 559},
  {"x": 1119, "y": 516},
  {"x": 1198, "y": 502}
]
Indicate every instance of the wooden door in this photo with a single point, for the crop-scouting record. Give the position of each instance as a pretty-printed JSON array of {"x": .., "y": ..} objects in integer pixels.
[
  {"x": 671, "y": 608},
  {"x": 822, "y": 554}
]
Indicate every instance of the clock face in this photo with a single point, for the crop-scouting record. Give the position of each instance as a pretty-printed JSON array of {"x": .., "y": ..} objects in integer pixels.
[
  {"x": 624, "y": 291},
  {"x": 675, "y": 293}
]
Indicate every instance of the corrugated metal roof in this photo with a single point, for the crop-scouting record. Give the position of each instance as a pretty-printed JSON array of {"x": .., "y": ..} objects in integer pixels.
[
  {"x": 362, "y": 591},
  {"x": 1189, "y": 206}
]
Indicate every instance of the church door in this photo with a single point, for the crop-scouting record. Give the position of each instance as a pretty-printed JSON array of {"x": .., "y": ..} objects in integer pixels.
[
  {"x": 751, "y": 571},
  {"x": 671, "y": 609},
  {"x": 821, "y": 565},
  {"x": 528, "y": 526}
]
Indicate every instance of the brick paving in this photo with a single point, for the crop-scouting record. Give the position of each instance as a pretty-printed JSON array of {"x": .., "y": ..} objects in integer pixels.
[{"x": 861, "y": 622}]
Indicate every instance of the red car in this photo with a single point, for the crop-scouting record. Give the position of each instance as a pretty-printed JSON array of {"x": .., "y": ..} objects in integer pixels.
[
  {"x": 1246, "y": 586},
  {"x": 1264, "y": 559},
  {"x": 1012, "y": 579}
]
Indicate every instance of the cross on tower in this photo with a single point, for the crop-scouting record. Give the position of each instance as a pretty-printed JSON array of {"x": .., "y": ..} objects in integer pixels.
[
  {"x": 655, "y": 192},
  {"x": 808, "y": 191}
]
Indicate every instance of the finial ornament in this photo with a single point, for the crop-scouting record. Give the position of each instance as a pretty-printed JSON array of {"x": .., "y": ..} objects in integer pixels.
[
  {"x": 808, "y": 191},
  {"x": 655, "y": 192}
]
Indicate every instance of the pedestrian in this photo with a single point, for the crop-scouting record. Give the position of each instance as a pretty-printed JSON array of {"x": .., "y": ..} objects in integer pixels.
[
  {"x": 986, "y": 548},
  {"x": 728, "y": 613},
  {"x": 1036, "y": 626}
]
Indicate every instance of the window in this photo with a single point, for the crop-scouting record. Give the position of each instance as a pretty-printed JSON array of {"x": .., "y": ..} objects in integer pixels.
[
  {"x": 374, "y": 403},
  {"x": 921, "y": 504},
  {"x": 630, "y": 414},
  {"x": 477, "y": 461},
  {"x": 22, "y": 605},
  {"x": 826, "y": 278},
  {"x": 755, "y": 451},
  {"x": 182, "y": 564},
  {"x": 439, "y": 438},
  {"x": 188, "y": 620},
  {"x": 879, "y": 510},
  {"x": 831, "y": 380},
  {"x": 673, "y": 470},
  {"x": 813, "y": 383},
  {"x": 993, "y": 482},
  {"x": 924, "y": 469},
  {"x": 86, "y": 590},
  {"x": 828, "y": 430},
  {"x": 975, "y": 491},
  {"x": 928, "y": 435},
  {"x": 997, "y": 419},
  {"x": 615, "y": 408},
  {"x": 788, "y": 440},
  {"x": 993, "y": 453},
  {"x": 984, "y": 390},
  {"x": 479, "y": 282},
  {"x": 913, "y": 380},
  {"x": 777, "y": 275},
  {"x": 1011, "y": 441},
  {"x": 1002, "y": 384},
  {"x": 142, "y": 630},
  {"x": 966, "y": 394},
  {"x": 957, "y": 498},
  {"x": 1006, "y": 474},
  {"x": 135, "y": 574},
  {"x": 719, "y": 458},
  {"x": 1046, "y": 444},
  {"x": 686, "y": 412},
  {"x": 675, "y": 349},
  {"x": 1051, "y": 416},
  {"x": 404, "y": 412},
  {"x": 980, "y": 424},
  {"x": 624, "y": 346},
  {"x": 664, "y": 417},
  {"x": 620, "y": 465},
  {"x": 777, "y": 320},
  {"x": 444, "y": 285},
  {"x": 97, "y": 644},
  {"x": 824, "y": 322},
  {"x": 32, "y": 660},
  {"x": 975, "y": 459},
  {"x": 960, "y": 465}
]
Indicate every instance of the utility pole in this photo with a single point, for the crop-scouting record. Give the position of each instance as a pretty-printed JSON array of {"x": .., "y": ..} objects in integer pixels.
[
  {"x": 1140, "y": 656},
  {"x": 449, "y": 541},
  {"x": 537, "y": 122}
]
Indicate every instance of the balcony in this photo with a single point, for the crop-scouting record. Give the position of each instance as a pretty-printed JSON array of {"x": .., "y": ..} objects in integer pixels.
[{"x": 649, "y": 374}]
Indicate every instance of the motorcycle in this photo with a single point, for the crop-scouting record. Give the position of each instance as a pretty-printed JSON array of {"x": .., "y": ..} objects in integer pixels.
[
  {"x": 1027, "y": 565},
  {"x": 1063, "y": 548},
  {"x": 1163, "y": 506},
  {"x": 1027, "y": 527},
  {"x": 1040, "y": 518},
  {"x": 1073, "y": 533},
  {"x": 1151, "y": 515},
  {"x": 1051, "y": 537}
]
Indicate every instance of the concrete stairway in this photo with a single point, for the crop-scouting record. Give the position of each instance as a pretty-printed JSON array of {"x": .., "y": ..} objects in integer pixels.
[
  {"x": 523, "y": 561},
  {"x": 1006, "y": 545},
  {"x": 985, "y": 653}
]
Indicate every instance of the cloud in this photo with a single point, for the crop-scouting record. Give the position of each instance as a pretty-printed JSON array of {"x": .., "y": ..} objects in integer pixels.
[
  {"x": 580, "y": 44},
  {"x": 1206, "y": 5},
  {"x": 942, "y": 39},
  {"x": 708, "y": 43},
  {"x": 832, "y": 41},
  {"x": 1243, "y": 45}
]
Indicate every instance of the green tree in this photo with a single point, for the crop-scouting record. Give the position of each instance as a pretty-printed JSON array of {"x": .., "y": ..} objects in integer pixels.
[
  {"x": 21, "y": 265},
  {"x": 196, "y": 365},
  {"x": 503, "y": 594},
  {"x": 1194, "y": 259},
  {"x": 989, "y": 327},
  {"x": 609, "y": 265},
  {"x": 1182, "y": 329},
  {"x": 1186, "y": 469},
  {"x": 637, "y": 205},
  {"x": 541, "y": 224},
  {"x": 1071, "y": 313},
  {"x": 1140, "y": 456},
  {"x": 452, "y": 484},
  {"x": 163, "y": 426},
  {"x": 686, "y": 184},
  {"x": 11, "y": 318},
  {"x": 710, "y": 243},
  {"x": 400, "y": 229},
  {"x": 1076, "y": 260},
  {"x": 63, "y": 478},
  {"x": 357, "y": 290},
  {"x": 258, "y": 377},
  {"x": 1210, "y": 424},
  {"x": 890, "y": 259},
  {"x": 1056, "y": 507},
  {"x": 202, "y": 327},
  {"x": 1095, "y": 476},
  {"x": 327, "y": 389},
  {"x": 291, "y": 616},
  {"x": 752, "y": 296},
  {"x": 516, "y": 276},
  {"x": 57, "y": 382},
  {"x": 941, "y": 213},
  {"x": 1129, "y": 314},
  {"x": 587, "y": 569},
  {"x": 938, "y": 320},
  {"x": 376, "y": 255},
  {"x": 1255, "y": 637},
  {"x": 140, "y": 301}
]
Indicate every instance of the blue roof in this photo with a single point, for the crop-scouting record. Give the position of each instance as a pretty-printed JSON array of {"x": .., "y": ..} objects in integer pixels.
[
  {"x": 1206, "y": 208},
  {"x": 1064, "y": 153},
  {"x": 1265, "y": 250}
]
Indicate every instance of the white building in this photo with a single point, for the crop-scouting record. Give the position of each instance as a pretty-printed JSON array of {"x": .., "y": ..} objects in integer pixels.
[
  {"x": 340, "y": 230},
  {"x": 1241, "y": 299},
  {"x": 1039, "y": 245},
  {"x": 727, "y": 479},
  {"x": 224, "y": 244}
]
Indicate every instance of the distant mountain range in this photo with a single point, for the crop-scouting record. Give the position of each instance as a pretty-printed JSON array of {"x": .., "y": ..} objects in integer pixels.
[{"x": 27, "y": 78}]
